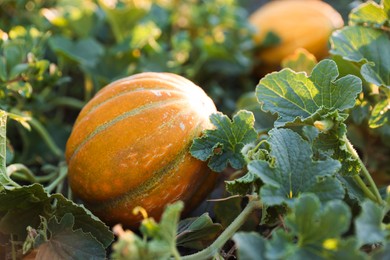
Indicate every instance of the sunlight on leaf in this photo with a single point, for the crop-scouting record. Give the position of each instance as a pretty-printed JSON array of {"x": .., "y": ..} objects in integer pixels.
[
  {"x": 298, "y": 98},
  {"x": 300, "y": 60},
  {"x": 369, "y": 13},
  {"x": 365, "y": 45}
]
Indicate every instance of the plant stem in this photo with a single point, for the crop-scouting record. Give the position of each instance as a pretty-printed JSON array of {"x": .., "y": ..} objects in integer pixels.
[
  {"x": 21, "y": 168},
  {"x": 364, "y": 187},
  {"x": 68, "y": 102},
  {"x": 13, "y": 248},
  {"x": 61, "y": 176},
  {"x": 371, "y": 184},
  {"x": 227, "y": 233},
  {"x": 175, "y": 253},
  {"x": 46, "y": 137}
]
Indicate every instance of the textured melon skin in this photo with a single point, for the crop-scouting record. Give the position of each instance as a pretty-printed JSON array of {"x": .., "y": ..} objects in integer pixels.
[
  {"x": 130, "y": 147},
  {"x": 304, "y": 24}
]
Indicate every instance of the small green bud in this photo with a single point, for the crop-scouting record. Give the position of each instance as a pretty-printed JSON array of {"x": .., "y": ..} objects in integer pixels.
[{"x": 324, "y": 125}]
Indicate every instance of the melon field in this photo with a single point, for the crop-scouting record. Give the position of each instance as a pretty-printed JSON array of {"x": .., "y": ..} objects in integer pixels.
[{"x": 194, "y": 129}]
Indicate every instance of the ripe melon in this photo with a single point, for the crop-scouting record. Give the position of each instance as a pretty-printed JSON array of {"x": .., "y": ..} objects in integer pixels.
[
  {"x": 305, "y": 24},
  {"x": 130, "y": 147}
]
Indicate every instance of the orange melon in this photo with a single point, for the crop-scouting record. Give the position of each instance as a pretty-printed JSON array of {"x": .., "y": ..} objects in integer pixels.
[
  {"x": 305, "y": 24},
  {"x": 130, "y": 147}
]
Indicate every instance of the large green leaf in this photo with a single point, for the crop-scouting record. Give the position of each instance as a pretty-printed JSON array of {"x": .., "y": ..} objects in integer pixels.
[
  {"x": 294, "y": 172},
  {"x": 197, "y": 232},
  {"x": 369, "y": 14},
  {"x": 300, "y": 60},
  {"x": 223, "y": 145},
  {"x": 86, "y": 52},
  {"x": 365, "y": 45},
  {"x": 250, "y": 246},
  {"x": 22, "y": 207},
  {"x": 60, "y": 240},
  {"x": 369, "y": 225},
  {"x": 263, "y": 121},
  {"x": 295, "y": 97},
  {"x": 123, "y": 16},
  {"x": 380, "y": 114},
  {"x": 315, "y": 232}
]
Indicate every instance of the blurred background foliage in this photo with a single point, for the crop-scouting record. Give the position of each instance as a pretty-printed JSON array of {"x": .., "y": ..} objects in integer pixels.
[{"x": 56, "y": 54}]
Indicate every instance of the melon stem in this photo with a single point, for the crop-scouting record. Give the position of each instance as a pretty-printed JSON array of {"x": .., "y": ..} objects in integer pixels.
[{"x": 214, "y": 248}]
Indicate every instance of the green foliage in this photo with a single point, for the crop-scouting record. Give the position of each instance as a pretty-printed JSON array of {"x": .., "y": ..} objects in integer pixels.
[
  {"x": 24, "y": 206},
  {"x": 301, "y": 99},
  {"x": 292, "y": 157},
  {"x": 301, "y": 60},
  {"x": 369, "y": 226},
  {"x": 318, "y": 231},
  {"x": 197, "y": 232},
  {"x": 293, "y": 171},
  {"x": 363, "y": 43},
  {"x": 55, "y": 55},
  {"x": 249, "y": 246},
  {"x": 158, "y": 242},
  {"x": 223, "y": 145},
  {"x": 58, "y": 239}
]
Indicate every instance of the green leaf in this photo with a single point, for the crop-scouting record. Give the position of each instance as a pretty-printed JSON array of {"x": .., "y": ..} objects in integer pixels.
[
  {"x": 223, "y": 145},
  {"x": 87, "y": 51},
  {"x": 168, "y": 224},
  {"x": 197, "y": 233},
  {"x": 64, "y": 242},
  {"x": 243, "y": 185},
  {"x": 353, "y": 190},
  {"x": 123, "y": 16},
  {"x": 281, "y": 246},
  {"x": 368, "y": 225},
  {"x": 78, "y": 17},
  {"x": 263, "y": 121},
  {"x": 382, "y": 253},
  {"x": 250, "y": 246},
  {"x": 313, "y": 224},
  {"x": 18, "y": 69},
  {"x": 298, "y": 98},
  {"x": 294, "y": 172},
  {"x": 334, "y": 143},
  {"x": 369, "y": 14},
  {"x": 84, "y": 219},
  {"x": 386, "y": 6},
  {"x": 380, "y": 114},
  {"x": 227, "y": 210},
  {"x": 22, "y": 207},
  {"x": 13, "y": 55},
  {"x": 3, "y": 69},
  {"x": 317, "y": 231},
  {"x": 300, "y": 60},
  {"x": 368, "y": 46},
  {"x": 144, "y": 34}
]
